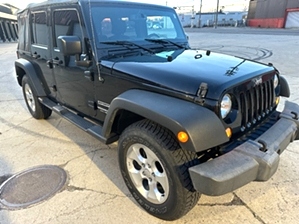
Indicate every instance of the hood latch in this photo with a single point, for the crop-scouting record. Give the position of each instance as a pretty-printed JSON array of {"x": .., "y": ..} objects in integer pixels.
[{"x": 201, "y": 93}]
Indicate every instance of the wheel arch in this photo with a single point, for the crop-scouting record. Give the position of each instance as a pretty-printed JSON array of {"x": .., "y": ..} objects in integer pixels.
[
  {"x": 204, "y": 128},
  {"x": 123, "y": 118},
  {"x": 34, "y": 73},
  {"x": 20, "y": 72}
]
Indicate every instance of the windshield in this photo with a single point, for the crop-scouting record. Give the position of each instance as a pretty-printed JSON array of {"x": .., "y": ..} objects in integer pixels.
[{"x": 129, "y": 22}]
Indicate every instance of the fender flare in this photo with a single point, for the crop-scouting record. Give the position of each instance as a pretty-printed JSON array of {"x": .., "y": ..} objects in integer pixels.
[
  {"x": 284, "y": 87},
  {"x": 32, "y": 74},
  {"x": 204, "y": 128}
]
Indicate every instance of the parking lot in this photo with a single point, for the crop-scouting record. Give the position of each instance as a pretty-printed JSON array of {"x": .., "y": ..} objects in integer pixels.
[{"x": 95, "y": 191}]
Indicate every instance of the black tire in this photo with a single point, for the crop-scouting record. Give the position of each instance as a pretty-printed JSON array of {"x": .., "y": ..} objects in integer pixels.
[
  {"x": 151, "y": 158},
  {"x": 37, "y": 110}
]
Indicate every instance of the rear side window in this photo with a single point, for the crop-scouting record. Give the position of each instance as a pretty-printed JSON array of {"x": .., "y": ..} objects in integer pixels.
[
  {"x": 66, "y": 23},
  {"x": 39, "y": 28},
  {"x": 23, "y": 31},
  {"x": 22, "y": 27}
]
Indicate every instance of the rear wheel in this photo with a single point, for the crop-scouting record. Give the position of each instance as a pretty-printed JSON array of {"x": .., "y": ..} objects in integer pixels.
[
  {"x": 37, "y": 110},
  {"x": 155, "y": 170}
]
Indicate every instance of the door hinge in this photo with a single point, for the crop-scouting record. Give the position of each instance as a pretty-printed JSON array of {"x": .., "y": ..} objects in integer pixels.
[
  {"x": 92, "y": 104},
  {"x": 89, "y": 75},
  {"x": 53, "y": 88}
]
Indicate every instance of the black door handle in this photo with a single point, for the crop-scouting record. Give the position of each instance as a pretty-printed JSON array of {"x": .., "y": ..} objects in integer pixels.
[
  {"x": 56, "y": 61},
  {"x": 50, "y": 64},
  {"x": 35, "y": 55}
]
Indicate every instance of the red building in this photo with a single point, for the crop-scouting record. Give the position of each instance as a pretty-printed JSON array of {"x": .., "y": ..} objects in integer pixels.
[{"x": 273, "y": 13}]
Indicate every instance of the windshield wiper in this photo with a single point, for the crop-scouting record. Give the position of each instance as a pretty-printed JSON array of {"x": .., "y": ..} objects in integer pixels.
[
  {"x": 166, "y": 41},
  {"x": 127, "y": 44}
]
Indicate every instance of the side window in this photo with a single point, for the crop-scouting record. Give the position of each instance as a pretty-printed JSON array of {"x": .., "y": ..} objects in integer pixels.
[
  {"x": 66, "y": 23},
  {"x": 23, "y": 24},
  {"x": 22, "y": 28},
  {"x": 39, "y": 28}
]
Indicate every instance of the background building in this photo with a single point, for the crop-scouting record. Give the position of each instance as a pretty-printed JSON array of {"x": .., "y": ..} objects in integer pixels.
[
  {"x": 273, "y": 13},
  {"x": 207, "y": 19},
  {"x": 202, "y": 13},
  {"x": 8, "y": 23}
]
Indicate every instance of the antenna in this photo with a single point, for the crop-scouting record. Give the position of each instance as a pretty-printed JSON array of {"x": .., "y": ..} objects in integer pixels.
[{"x": 94, "y": 42}]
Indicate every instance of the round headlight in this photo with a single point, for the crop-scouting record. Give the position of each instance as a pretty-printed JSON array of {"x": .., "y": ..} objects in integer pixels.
[
  {"x": 276, "y": 81},
  {"x": 226, "y": 105}
]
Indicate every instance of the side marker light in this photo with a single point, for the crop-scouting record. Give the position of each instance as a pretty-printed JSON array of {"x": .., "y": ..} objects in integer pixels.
[
  {"x": 183, "y": 137},
  {"x": 228, "y": 132}
]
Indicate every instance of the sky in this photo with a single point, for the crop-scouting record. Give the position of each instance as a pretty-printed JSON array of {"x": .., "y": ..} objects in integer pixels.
[{"x": 207, "y": 5}]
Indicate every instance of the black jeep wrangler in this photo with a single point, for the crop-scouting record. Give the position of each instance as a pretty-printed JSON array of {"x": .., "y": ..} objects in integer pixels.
[{"x": 187, "y": 122}]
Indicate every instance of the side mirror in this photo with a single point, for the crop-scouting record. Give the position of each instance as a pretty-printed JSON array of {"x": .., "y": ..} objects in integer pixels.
[{"x": 69, "y": 45}]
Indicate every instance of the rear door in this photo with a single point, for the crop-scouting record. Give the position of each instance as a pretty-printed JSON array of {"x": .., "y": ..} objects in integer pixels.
[
  {"x": 41, "y": 45},
  {"x": 74, "y": 89}
]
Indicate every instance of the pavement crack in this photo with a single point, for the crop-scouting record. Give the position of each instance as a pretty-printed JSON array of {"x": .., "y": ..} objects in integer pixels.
[
  {"x": 109, "y": 199},
  {"x": 256, "y": 216},
  {"x": 237, "y": 201},
  {"x": 77, "y": 157},
  {"x": 58, "y": 123},
  {"x": 72, "y": 188}
]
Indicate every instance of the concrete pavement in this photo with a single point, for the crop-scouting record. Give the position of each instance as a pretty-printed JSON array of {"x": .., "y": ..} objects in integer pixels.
[
  {"x": 96, "y": 193},
  {"x": 244, "y": 30}
]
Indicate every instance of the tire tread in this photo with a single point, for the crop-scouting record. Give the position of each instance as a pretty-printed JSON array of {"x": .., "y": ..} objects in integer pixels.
[{"x": 184, "y": 158}]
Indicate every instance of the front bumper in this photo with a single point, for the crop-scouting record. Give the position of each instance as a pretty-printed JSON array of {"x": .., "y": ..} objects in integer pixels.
[{"x": 252, "y": 161}]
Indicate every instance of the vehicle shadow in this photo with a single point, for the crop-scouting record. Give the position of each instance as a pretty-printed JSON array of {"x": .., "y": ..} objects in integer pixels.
[{"x": 103, "y": 156}]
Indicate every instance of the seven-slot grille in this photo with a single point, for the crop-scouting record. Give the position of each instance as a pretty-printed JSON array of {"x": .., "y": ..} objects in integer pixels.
[{"x": 257, "y": 103}]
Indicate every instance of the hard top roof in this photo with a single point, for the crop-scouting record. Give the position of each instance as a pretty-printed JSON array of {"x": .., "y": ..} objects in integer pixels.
[{"x": 57, "y": 2}]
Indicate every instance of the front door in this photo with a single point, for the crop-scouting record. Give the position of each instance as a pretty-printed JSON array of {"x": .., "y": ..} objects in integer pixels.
[{"x": 75, "y": 91}]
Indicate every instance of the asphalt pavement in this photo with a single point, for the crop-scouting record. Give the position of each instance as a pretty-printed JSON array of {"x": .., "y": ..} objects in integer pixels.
[{"x": 95, "y": 191}]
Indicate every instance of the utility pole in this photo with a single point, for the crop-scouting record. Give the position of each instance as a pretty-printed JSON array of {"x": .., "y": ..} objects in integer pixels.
[
  {"x": 216, "y": 19},
  {"x": 192, "y": 17},
  {"x": 199, "y": 16}
]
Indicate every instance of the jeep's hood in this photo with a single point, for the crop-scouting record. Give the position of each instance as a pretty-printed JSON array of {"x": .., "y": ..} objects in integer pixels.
[{"x": 185, "y": 70}]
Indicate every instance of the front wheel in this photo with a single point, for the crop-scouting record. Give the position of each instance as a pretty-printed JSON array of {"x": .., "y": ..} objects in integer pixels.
[{"x": 155, "y": 170}]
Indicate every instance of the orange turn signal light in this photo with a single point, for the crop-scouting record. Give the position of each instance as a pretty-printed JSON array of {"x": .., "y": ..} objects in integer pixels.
[
  {"x": 228, "y": 132},
  {"x": 183, "y": 137}
]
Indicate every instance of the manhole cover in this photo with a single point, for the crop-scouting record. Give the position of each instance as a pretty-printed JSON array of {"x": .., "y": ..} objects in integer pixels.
[{"x": 31, "y": 186}]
